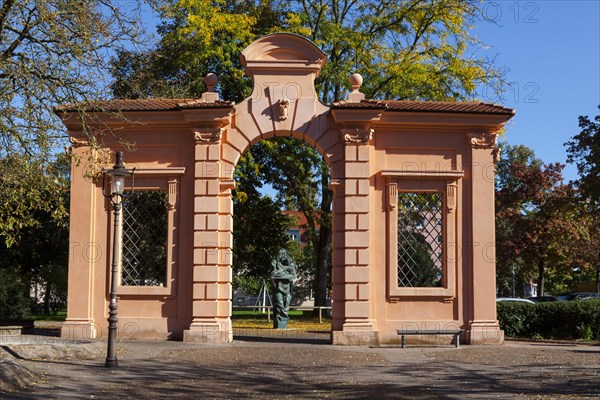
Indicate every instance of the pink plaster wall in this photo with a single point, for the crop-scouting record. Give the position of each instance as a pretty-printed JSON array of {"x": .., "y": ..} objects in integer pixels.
[{"x": 367, "y": 150}]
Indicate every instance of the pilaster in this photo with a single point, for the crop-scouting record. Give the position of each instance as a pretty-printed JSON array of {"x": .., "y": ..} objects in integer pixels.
[
  {"x": 483, "y": 326},
  {"x": 84, "y": 253},
  {"x": 353, "y": 323},
  {"x": 211, "y": 293}
]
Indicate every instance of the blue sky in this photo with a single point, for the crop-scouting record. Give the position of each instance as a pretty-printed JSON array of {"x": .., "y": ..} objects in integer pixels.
[{"x": 552, "y": 51}]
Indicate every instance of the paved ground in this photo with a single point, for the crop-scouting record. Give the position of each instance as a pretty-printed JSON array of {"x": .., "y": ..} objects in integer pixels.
[{"x": 255, "y": 368}]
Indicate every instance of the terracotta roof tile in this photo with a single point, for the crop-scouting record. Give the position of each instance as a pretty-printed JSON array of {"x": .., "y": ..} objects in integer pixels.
[
  {"x": 363, "y": 105},
  {"x": 159, "y": 104},
  {"x": 198, "y": 103},
  {"x": 429, "y": 106}
]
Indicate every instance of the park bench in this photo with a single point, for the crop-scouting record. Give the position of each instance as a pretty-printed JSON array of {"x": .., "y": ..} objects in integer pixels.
[
  {"x": 8, "y": 333},
  {"x": 406, "y": 332}
]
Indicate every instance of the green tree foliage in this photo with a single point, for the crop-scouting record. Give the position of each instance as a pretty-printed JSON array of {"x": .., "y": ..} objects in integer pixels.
[
  {"x": 14, "y": 295},
  {"x": 197, "y": 37},
  {"x": 144, "y": 258},
  {"x": 508, "y": 264},
  {"x": 410, "y": 49},
  {"x": 298, "y": 172},
  {"x": 303, "y": 257},
  {"x": 34, "y": 225},
  {"x": 261, "y": 229},
  {"x": 53, "y": 52},
  {"x": 30, "y": 188},
  {"x": 417, "y": 252},
  {"x": 540, "y": 226},
  {"x": 416, "y": 242},
  {"x": 587, "y": 248},
  {"x": 584, "y": 150}
]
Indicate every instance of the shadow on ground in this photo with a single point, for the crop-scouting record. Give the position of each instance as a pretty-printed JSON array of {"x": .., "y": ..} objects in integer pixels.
[
  {"x": 282, "y": 336},
  {"x": 165, "y": 370}
]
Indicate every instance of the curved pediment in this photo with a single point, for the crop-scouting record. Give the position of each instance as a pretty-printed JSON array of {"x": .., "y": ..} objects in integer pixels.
[
  {"x": 284, "y": 101},
  {"x": 282, "y": 47},
  {"x": 282, "y": 55}
]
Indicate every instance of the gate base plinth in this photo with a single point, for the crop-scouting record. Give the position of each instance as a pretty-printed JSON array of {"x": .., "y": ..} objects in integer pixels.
[
  {"x": 485, "y": 332},
  {"x": 355, "y": 336},
  {"x": 211, "y": 332},
  {"x": 80, "y": 330}
]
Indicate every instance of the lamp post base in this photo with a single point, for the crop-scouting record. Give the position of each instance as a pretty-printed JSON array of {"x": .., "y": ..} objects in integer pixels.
[{"x": 111, "y": 363}]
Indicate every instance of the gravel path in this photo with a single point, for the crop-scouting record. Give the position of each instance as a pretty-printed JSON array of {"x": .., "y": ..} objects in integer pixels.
[{"x": 266, "y": 370}]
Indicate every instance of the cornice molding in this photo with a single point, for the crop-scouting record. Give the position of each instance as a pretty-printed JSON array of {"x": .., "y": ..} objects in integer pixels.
[{"x": 423, "y": 174}]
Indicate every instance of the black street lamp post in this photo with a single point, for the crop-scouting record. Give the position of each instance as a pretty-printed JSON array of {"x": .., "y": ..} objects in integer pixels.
[{"x": 117, "y": 186}]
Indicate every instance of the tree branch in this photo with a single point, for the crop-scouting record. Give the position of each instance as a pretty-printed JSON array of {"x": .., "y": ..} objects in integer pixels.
[{"x": 3, "y": 14}]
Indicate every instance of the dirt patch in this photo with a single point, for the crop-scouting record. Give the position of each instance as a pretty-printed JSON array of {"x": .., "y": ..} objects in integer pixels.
[
  {"x": 15, "y": 377},
  {"x": 174, "y": 370},
  {"x": 293, "y": 357},
  {"x": 542, "y": 355},
  {"x": 54, "y": 351}
]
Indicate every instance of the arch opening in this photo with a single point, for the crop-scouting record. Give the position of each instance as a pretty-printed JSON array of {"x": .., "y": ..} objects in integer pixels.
[{"x": 283, "y": 200}]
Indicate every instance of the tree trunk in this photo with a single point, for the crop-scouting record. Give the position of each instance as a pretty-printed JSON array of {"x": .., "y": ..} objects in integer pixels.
[
  {"x": 541, "y": 270},
  {"x": 47, "y": 298},
  {"x": 323, "y": 247},
  {"x": 598, "y": 273},
  {"x": 322, "y": 267}
]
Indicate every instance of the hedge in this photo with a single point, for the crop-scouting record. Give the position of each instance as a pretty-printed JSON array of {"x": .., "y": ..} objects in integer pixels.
[
  {"x": 14, "y": 299},
  {"x": 577, "y": 319}
]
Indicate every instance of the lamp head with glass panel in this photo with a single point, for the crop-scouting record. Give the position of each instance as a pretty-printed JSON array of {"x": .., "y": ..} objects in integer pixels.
[{"x": 117, "y": 179}]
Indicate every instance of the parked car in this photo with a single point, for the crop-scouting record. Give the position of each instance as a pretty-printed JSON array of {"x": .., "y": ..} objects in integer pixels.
[
  {"x": 582, "y": 296},
  {"x": 543, "y": 299},
  {"x": 514, "y": 299}
]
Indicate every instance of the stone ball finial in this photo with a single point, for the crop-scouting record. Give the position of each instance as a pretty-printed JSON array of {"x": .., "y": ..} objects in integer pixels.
[
  {"x": 211, "y": 81},
  {"x": 356, "y": 80}
]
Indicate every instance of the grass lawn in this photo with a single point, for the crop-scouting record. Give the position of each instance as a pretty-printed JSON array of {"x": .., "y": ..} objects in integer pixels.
[
  {"x": 240, "y": 319},
  {"x": 250, "y": 319},
  {"x": 58, "y": 316}
]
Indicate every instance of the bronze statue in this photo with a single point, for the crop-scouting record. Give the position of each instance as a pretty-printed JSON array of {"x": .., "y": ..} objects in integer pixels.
[{"x": 284, "y": 272}]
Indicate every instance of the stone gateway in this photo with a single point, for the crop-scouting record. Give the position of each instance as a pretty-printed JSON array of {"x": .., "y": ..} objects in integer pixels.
[{"x": 413, "y": 208}]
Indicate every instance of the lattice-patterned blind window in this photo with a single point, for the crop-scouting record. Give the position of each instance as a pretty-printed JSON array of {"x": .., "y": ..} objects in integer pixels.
[
  {"x": 420, "y": 239},
  {"x": 145, "y": 223}
]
